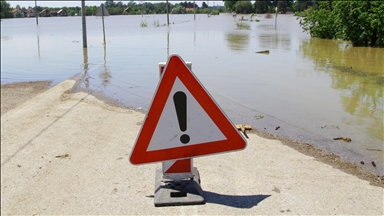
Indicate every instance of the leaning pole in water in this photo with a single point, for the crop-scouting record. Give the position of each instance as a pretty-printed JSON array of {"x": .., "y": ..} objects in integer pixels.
[
  {"x": 84, "y": 23},
  {"x": 37, "y": 19}
]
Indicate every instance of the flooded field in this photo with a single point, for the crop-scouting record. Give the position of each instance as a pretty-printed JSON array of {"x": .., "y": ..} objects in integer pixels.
[{"x": 315, "y": 90}]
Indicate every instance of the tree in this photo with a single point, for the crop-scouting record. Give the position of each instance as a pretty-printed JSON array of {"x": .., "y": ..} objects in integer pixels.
[
  {"x": 360, "y": 22},
  {"x": 204, "y": 5},
  {"x": 18, "y": 14},
  {"x": 301, "y": 5},
  {"x": 109, "y": 3},
  {"x": 244, "y": 7},
  {"x": 320, "y": 23},
  {"x": 230, "y": 4},
  {"x": 261, "y": 6},
  {"x": 178, "y": 10},
  {"x": 5, "y": 10},
  {"x": 282, "y": 6}
]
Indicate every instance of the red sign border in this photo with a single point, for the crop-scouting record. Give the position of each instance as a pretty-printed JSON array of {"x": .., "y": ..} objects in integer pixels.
[{"x": 176, "y": 67}]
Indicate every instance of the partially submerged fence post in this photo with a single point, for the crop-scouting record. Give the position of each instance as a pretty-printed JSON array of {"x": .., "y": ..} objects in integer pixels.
[
  {"x": 84, "y": 23},
  {"x": 37, "y": 19}
]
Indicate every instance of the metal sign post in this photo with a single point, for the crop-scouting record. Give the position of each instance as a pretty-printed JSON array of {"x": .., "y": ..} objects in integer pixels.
[
  {"x": 177, "y": 182},
  {"x": 101, "y": 11},
  {"x": 182, "y": 122}
]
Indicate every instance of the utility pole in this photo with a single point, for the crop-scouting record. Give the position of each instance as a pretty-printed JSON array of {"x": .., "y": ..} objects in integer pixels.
[
  {"x": 84, "y": 23},
  {"x": 276, "y": 18},
  {"x": 37, "y": 19},
  {"x": 167, "y": 14}
]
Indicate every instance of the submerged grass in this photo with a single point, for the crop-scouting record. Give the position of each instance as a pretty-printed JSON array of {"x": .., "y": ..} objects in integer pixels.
[
  {"x": 241, "y": 25},
  {"x": 144, "y": 23},
  {"x": 156, "y": 23}
]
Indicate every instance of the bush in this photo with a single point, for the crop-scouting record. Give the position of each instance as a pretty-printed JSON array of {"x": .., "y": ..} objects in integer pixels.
[
  {"x": 215, "y": 12},
  {"x": 244, "y": 7},
  {"x": 360, "y": 22},
  {"x": 178, "y": 10}
]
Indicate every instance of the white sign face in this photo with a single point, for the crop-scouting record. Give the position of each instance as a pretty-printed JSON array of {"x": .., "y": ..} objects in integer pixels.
[{"x": 199, "y": 126}]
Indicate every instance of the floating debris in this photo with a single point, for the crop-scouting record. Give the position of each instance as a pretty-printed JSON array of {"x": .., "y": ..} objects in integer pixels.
[
  {"x": 243, "y": 128},
  {"x": 258, "y": 117},
  {"x": 373, "y": 149},
  {"x": 373, "y": 164},
  {"x": 62, "y": 156},
  {"x": 263, "y": 52},
  {"x": 346, "y": 139},
  {"x": 277, "y": 128},
  {"x": 331, "y": 126},
  {"x": 362, "y": 162}
]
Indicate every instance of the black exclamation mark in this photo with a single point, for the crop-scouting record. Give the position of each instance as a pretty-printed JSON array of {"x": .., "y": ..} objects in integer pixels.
[{"x": 180, "y": 100}]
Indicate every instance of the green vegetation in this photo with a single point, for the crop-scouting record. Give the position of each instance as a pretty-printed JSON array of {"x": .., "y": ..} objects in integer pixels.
[
  {"x": 360, "y": 22},
  {"x": 120, "y": 8},
  {"x": 237, "y": 41},
  {"x": 5, "y": 10},
  {"x": 268, "y": 6},
  {"x": 156, "y": 23},
  {"x": 178, "y": 9},
  {"x": 241, "y": 25},
  {"x": 144, "y": 23},
  {"x": 215, "y": 12}
]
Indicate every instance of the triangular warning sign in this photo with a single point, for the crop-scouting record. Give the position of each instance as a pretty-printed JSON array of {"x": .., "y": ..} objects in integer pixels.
[{"x": 183, "y": 120}]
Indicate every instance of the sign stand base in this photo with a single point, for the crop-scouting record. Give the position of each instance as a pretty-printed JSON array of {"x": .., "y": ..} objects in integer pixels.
[{"x": 169, "y": 192}]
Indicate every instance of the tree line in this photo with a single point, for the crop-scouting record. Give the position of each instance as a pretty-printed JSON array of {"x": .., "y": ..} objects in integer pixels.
[
  {"x": 267, "y": 6},
  {"x": 120, "y": 8},
  {"x": 361, "y": 22}
]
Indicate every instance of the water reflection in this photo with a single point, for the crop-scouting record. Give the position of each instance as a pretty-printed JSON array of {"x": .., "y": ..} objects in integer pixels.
[
  {"x": 167, "y": 44},
  {"x": 237, "y": 41},
  {"x": 38, "y": 47},
  {"x": 105, "y": 74},
  {"x": 357, "y": 72},
  {"x": 275, "y": 41},
  {"x": 85, "y": 64}
]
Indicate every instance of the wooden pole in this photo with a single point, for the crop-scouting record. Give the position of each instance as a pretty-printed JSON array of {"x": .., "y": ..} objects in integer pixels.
[
  {"x": 37, "y": 19},
  {"x": 84, "y": 23},
  {"x": 102, "y": 17},
  {"x": 167, "y": 14}
]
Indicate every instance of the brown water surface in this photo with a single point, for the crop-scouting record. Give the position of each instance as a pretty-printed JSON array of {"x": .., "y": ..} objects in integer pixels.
[{"x": 314, "y": 89}]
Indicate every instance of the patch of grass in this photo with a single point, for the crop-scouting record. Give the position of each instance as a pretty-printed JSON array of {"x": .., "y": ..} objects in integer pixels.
[
  {"x": 144, "y": 23},
  {"x": 243, "y": 26},
  {"x": 156, "y": 23},
  {"x": 242, "y": 19}
]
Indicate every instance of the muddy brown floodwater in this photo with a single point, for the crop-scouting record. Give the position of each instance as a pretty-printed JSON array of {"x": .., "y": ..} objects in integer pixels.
[{"x": 314, "y": 90}]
